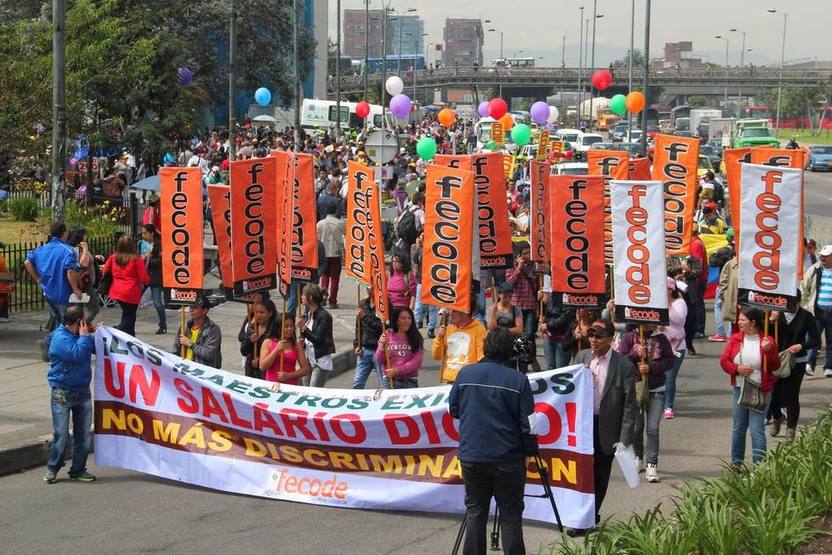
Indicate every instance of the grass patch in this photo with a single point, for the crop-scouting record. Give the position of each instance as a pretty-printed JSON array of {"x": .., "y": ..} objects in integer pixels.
[
  {"x": 12, "y": 231},
  {"x": 770, "y": 509},
  {"x": 806, "y": 136}
]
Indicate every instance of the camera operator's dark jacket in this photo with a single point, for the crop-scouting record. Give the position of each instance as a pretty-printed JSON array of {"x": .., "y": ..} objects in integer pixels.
[{"x": 493, "y": 403}]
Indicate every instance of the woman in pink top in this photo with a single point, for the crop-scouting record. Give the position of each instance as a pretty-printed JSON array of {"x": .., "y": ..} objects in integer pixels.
[
  {"x": 401, "y": 283},
  {"x": 675, "y": 333},
  {"x": 294, "y": 363},
  {"x": 403, "y": 344}
]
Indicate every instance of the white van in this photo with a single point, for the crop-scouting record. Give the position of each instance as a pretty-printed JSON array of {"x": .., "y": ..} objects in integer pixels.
[
  {"x": 585, "y": 140},
  {"x": 568, "y": 136},
  {"x": 323, "y": 114}
]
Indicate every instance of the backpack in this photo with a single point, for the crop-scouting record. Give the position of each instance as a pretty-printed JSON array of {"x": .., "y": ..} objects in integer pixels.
[
  {"x": 720, "y": 257},
  {"x": 408, "y": 226}
]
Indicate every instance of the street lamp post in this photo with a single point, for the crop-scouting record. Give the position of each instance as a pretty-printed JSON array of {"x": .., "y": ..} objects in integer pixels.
[
  {"x": 630, "y": 63},
  {"x": 580, "y": 63},
  {"x": 400, "y": 18},
  {"x": 742, "y": 65},
  {"x": 646, "y": 76},
  {"x": 725, "y": 38},
  {"x": 366, "y": 44},
  {"x": 338, "y": 73},
  {"x": 595, "y": 18},
  {"x": 782, "y": 59},
  {"x": 502, "y": 60}
]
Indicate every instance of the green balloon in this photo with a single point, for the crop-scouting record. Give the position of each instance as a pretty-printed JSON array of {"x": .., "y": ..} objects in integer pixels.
[
  {"x": 426, "y": 148},
  {"x": 490, "y": 145},
  {"x": 618, "y": 104},
  {"x": 521, "y": 134}
]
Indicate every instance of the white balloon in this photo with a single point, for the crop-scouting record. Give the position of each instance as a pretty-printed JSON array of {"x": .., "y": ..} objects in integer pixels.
[
  {"x": 553, "y": 114},
  {"x": 394, "y": 85}
]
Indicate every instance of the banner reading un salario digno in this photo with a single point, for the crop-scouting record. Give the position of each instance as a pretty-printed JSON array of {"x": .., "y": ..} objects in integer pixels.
[{"x": 159, "y": 414}]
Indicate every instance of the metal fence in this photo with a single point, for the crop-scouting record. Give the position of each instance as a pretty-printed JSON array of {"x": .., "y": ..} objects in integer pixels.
[{"x": 27, "y": 295}]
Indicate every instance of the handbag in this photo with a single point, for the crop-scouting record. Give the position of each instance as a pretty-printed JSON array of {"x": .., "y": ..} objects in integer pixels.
[
  {"x": 751, "y": 394},
  {"x": 786, "y": 365},
  {"x": 105, "y": 283}
]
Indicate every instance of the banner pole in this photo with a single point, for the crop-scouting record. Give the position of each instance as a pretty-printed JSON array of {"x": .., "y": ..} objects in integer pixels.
[
  {"x": 641, "y": 340},
  {"x": 182, "y": 328},
  {"x": 358, "y": 304},
  {"x": 765, "y": 334},
  {"x": 282, "y": 332},
  {"x": 387, "y": 354},
  {"x": 444, "y": 323},
  {"x": 541, "y": 317}
]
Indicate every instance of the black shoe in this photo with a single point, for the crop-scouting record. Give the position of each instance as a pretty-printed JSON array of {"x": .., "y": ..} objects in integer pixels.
[
  {"x": 431, "y": 334},
  {"x": 691, "y": 350},
  {"x": 576, "y": 532},
  {"x": 161, "y": 331},
  {"x": 333, "y": 305}
]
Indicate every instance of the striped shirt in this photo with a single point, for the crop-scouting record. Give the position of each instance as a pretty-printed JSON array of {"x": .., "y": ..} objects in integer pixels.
[{"x": 825, "y": 289}]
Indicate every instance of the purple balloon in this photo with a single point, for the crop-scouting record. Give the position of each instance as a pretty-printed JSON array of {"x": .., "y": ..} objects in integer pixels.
[
  {"x": 185, "y": 76},
  {"x": 483, "y": 109},
  {"x": 539, "y": 112},
  {"x": 400, "y": 106}
]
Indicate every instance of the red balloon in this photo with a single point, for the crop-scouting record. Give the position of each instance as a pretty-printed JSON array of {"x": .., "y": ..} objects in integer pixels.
[
  {"x": 362, "y": 109},
  {"x": 601, "y": 79},
  {"x": 497, "y": 108}
]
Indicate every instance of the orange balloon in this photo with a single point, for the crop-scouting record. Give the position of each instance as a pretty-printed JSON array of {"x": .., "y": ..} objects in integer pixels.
[
  {"x": 507, "y": 121},
  {"x": 447, "y": 117},
  {"x": 635, "y": 102}
]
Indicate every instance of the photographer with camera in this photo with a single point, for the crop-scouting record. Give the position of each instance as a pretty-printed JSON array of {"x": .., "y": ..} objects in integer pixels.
[{"x": 493, "y": 403}]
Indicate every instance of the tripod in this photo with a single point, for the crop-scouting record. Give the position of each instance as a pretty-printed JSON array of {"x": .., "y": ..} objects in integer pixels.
[{"x": 495, "y": 531}]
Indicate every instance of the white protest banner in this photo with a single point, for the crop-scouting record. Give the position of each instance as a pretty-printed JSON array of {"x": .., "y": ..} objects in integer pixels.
[
  {"x": 639, "y": 252},
  {"x": 771, "y": 235},
  {"x": 162, "y": 415}
]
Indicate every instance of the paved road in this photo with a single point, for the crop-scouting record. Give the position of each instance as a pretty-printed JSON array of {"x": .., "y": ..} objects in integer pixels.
[
  {"x": 818, "y": 194},
  {"x": 127, "y": 511}
]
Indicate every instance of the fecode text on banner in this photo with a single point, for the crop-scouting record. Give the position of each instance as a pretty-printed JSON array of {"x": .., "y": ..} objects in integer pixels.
[
  {"x": 675, "y": 161},
  {"x": 180, "y": 206}
]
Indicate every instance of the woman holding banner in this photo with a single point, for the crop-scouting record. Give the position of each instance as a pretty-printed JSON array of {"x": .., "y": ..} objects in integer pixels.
[
  {"x": 675, "y": 333},
  {"x": 282, "y": 356},
  {"x": 258, "y": 326},
  {"x": 401, "y": 283},
  {"x": 750, "y": 359},
  {"x": 400, "y": 351},
  {"x": 129, "y": 278},
  {"x": 316, "y": 328}
]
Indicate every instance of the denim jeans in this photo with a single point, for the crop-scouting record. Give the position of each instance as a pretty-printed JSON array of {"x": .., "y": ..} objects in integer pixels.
[
  {"x": 743, "y": 419},
  {"x": 77, "y": 405},
  {"x": 506, "y": 483},
  {"x": 653, "y": 415},
  {"x": 317, "y": 378},
  {"x": 56, "y": 314},
  {"x": 364, "y": 364},
  {"x": 824, "y": 319},
  {"x": 292, "y": 302},
  {"x": 530, "y": 322},
  {"x": 419, "y": 310},
  {"x": 719, "y": 326},
  {"x": 670, "y": 380},
  {"x": 159, "y": 305},
  {"x": 556, "y": 357}
]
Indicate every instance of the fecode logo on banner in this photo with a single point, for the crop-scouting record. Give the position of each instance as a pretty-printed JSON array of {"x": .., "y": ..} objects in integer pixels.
[
  {"x": 497, "y": 133},
  {"x": 576, "y": 204},
  {"x": 448, "y": 256},
  {"x": 375, "y": 250},
  {"x": 542, "y": 146},
  {"x": 675, "y": 161},
  {"x": 180, "y": 194},
  {"x": 356, "y": 264},
  {"x": 779, "y": 157},
  {"x": 304, "y": 225},
  {"x": 638, "y": 249},
  {"x": 159, "y": 414},
  {"x": 285, "y": 180},
  {"x": 253, "y": 224},
  {"x": 771, "y": 236},
  {"x": 540, "y": 213},
  {"x": 640, "y": 169},
  {"x": 494, "y": 231},
  {"x": 612, "y": 164}
]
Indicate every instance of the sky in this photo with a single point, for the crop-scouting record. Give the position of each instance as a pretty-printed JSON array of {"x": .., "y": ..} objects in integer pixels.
[{"x": 537, "y": 27}]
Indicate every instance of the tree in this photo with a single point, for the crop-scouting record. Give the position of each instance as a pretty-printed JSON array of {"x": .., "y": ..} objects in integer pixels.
[
  {"x": 638, "y": 60},
  {"x": 795, "y": 102},
  {"x": 697, "y": 101}
]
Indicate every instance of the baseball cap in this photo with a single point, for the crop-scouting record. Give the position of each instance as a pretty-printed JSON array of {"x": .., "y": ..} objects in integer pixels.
[
  {"x": 826, "y": 250},
  {"x": 602, "y": 328},
  {"x": 201, "y": 302}
]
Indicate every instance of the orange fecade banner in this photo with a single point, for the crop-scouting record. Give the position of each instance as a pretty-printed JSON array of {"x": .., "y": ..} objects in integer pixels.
[
  {"x": 180, "y": 194},
  {"x": 612, "y": 164},
  {"x": 220, "y": 198},
  {"x": 356, "y": 264},
  {"x": 639, "y": 169},
  {"x": 375, "y": 251},
  {"x": 675, "y": 161},
  {"x": 576, "y": 203},
  {"x": 542, "y": 146},
  {"x": 253, "y": 224},
  {"x": 285, "y": 183},
  {"x": 497, "y": 134},
  {"x": 304, "y": 224},
  {"x": 448, "y": 241},
  {"x": 492, "y": 211},
  {"x": 540, "y": 214}
]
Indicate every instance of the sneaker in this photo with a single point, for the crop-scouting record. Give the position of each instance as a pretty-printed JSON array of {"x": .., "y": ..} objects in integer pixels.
[
  {"x": 717, "y": 337},
  {"x": 83, "y": 477},
  {"x": 810, "y": 370},
  {"x": 161, "y": 331},
  {"x": 639, "y": 464},
  {"x": 652, "y": 473},
  {"x": 827, "y": 372},
  {"x": 333, "y": 306},
  {"x": 50, "y": 476},
  {"x": 668, "y": 414},
  {"x": 431, "y": 333},
  {"x": 699, "y": 335}
]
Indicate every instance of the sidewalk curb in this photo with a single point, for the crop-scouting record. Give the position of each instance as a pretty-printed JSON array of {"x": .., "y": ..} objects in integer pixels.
[{"x": 36, "y": 453}]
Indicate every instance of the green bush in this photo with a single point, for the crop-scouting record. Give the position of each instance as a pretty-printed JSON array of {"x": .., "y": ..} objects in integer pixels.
[
  {"x": 24, "y": 209},
  {"x": 101, "y": 220},
  {"x": 764, "y": 511}
]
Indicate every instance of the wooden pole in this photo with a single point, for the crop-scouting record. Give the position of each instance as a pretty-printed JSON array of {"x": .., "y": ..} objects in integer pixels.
[
  {"x": 282, "y": 331},
  {"x": 182, "y": 330},
  {"x": 643, "y": 346},
  {"x": 765, "y": 334},
  {"x": 387, "y": 354},
  {"x": 541, "y": 317},
  {"x": 444, "y": 323},
  {"x": 358, "y": 303}
]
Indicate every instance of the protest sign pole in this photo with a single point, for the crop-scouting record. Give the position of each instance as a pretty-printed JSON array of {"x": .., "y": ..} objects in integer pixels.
[
  {"x": 767, "y": 315},
  {"x": 358, "y": 304},
  {"x": 540, "y": 297},
  {"x": 282, "y": 332},
  {"x": 182, "y": 329},
  {"x": 387, "y": 354}
]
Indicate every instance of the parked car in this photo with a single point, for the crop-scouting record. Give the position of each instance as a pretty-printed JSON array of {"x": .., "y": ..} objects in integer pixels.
[
  {"x": 585, "y": 140},
  {"x": 633, "y": 136},
  {"x": 617, "y": 131},
  {"x": 820, "y": 158},
  {"x": 704, "y": 166},
  {"x": 603, "y": 146},
  {"x": 633, "y": 149},
  {"x": 710, "y": 152},
  {"x": 568, "y": 136}
]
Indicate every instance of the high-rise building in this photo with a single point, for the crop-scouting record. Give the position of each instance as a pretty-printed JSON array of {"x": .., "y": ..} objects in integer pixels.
[
  {"x": 411, "y": 27},
  {"x": 355, "y": 30},
  {"x": 463, "y": 42}
]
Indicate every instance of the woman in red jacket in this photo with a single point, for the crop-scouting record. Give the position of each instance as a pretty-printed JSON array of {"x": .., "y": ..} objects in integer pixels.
[
  {"x": 750, "y": 356},
  {"x": 129, "y": 277}
]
